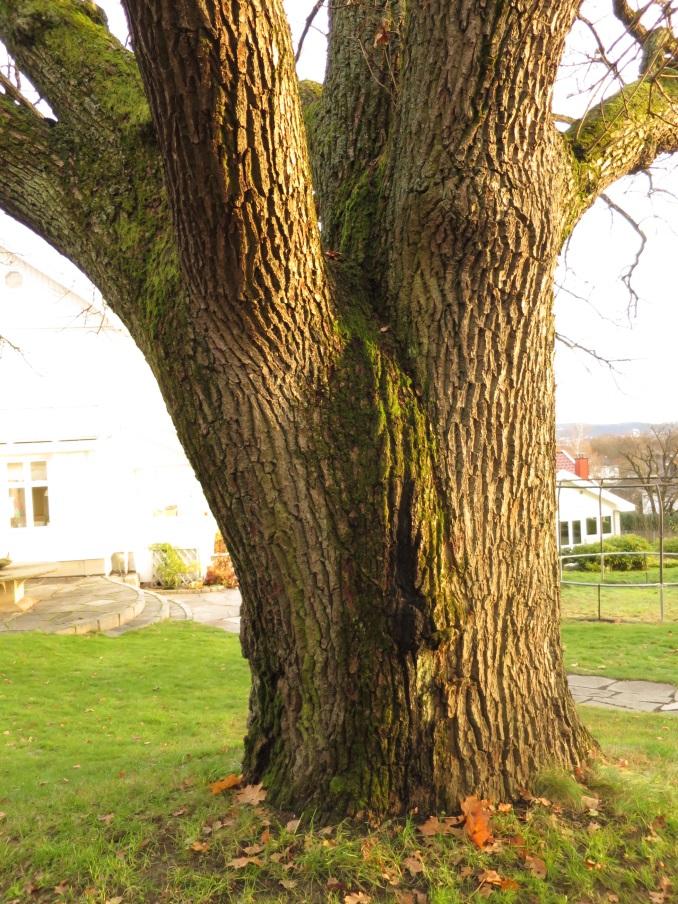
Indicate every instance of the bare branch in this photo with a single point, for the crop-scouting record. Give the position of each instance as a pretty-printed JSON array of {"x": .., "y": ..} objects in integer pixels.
[
  {"x": 601, "y": 359},
  {"x": 627, "y": 276},
  {"x": 309, "y": 22},
  {"x": 631, "y": 19},
  {"x": 13, "y": 92}
]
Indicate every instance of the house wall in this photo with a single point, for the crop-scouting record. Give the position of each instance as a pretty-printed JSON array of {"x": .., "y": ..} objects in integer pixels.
[
  {"x": 80, "y": 396},
  {"x": 577, "y": 506}
]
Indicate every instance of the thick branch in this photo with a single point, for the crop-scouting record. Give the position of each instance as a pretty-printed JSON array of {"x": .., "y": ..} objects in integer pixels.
[
  {"x": 31, "y": 176},
  {"x": 630, "y": 19},
  {"x": 353, "y": 118},
  {"x": 623, "y": 135},
  {"x": 222, "y": 87},
  {"x": 67, "y": 52}
]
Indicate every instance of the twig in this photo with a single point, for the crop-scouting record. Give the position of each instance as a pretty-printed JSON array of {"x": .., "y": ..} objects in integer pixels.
[{"x": 309, "y": 22}]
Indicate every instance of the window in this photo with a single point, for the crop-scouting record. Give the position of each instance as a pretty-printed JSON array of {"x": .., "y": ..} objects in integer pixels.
[
  {"x": 28, "y": 494},
  {"x": 591, "y": 526},
  {"x": 576, "y": 531},
  {"x": 564, "y": 533},
  {"x": 607, "y": 524}
]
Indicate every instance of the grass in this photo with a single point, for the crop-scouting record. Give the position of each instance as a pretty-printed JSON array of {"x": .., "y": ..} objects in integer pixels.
[
  {"x": 625, "y": 603},
  {"x": 107, "y": 747},
  {"x": 632, "y": 651}
]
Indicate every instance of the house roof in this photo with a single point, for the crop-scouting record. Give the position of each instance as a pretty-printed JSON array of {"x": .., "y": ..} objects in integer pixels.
[{"x": 564, "y": 461}]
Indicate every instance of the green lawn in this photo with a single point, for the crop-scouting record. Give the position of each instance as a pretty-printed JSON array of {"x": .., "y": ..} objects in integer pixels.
[
  {"x": 107, "y": 746},
  {"x": 625, "y": 603},
  {"x": 634, "y": 651}
]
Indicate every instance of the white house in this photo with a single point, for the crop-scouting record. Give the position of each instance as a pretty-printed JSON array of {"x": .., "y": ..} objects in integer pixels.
[
  {"x": 585, "y": 510},
  {"x": 91, "y": 471}
]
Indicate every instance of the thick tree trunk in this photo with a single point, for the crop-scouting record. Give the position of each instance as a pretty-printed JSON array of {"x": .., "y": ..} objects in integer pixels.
[{"x": 376, "y": 442}]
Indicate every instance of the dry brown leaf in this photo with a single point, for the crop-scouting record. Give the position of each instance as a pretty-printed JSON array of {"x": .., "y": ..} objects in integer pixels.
[
  {"x": 200, "y": 846},
  {"x": 242, "y": 862},
  {"x": 591, "y": 803},
  {"x": 410, "y": 897},
  {"x": 466, "y": 871},
  {"x": 357, "y": 897},
  {"x": 509, "y": 885},
  {"x": 485, "y": 891},
  {"x": 293, "y": 825},
  {"x": 477, "y": 825},
  {"x": 333, "y": 884},
  {"x": 413, "y": 865},
  {"x": 289, "y": 884},
  {"x": 61, "y": 888},
  {"x": 253, "y": 849},
  {"x": 251, "y": 795},
  {"x": 2, "y": 815},
  {"x": 505, "y": 808},
  {"x": 106, "y": 818},
  {"x": 116, "y": 900},
  {"x": 613, "y": 899},
  {"x": 436, "y": 826},
  {"x": 490, "y": 877},
  {"x": 265, "y": 836},
  {"x": 229, "y": 781},
  {"x": 536, "y": 865},
  {"x": 180, "y": 812}
]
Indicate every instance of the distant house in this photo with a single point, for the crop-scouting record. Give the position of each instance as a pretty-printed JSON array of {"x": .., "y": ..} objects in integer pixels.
[
  {"x": 585, "y": 511},
  {"x": 91, "y": 471}
]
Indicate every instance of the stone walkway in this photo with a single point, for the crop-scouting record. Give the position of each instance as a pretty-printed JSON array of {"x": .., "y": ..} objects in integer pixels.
[
  {"x": 82, "y": 605},
  {"x": 641, "y": 696},
  {"x": 75, "y": 606}
]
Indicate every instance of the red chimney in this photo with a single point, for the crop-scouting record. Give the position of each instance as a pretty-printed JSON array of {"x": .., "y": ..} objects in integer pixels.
[{"x": 581, "y": 467}]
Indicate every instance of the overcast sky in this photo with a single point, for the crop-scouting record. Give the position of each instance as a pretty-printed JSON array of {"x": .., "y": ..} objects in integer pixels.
[{"x": 601, "y": 249}]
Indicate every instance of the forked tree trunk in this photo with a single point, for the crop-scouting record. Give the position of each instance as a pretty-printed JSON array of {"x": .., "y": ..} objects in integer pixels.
[{"x": 375, "y": 438}]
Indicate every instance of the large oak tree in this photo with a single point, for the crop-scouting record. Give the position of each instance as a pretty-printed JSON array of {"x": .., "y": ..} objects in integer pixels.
[{"x": 370, "y": 408}]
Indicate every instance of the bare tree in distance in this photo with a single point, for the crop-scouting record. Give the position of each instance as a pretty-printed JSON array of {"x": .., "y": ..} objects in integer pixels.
[{"x": 370, "y": 410}]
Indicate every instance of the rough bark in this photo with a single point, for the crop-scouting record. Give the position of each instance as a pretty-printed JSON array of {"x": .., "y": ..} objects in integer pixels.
[{"x": 376, "y": 438}]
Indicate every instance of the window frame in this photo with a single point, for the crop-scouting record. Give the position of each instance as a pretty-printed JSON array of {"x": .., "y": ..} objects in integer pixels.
[{"x": 26, "y": 483}]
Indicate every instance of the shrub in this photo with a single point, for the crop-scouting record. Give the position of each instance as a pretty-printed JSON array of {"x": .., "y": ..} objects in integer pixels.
[
  {"x": 221, "y": 571},
  {"x": 169, "y": 568},
  {"x": 623, "y": 544}
]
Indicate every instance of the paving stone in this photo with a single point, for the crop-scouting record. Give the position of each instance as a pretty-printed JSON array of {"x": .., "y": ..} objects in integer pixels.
[
  {"x": 645, "y": 690},
  {"x": 670, "y": 708},
  {"x": 588, "y": 681},
  {"x": 632, "y": 701}
]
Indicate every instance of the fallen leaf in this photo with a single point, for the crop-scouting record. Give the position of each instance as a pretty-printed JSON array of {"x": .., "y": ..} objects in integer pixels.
[
  {"x": 200, "y": 846},
  {"x": 466, "y": 871},
  {"x": 413, "y": 865},
  {"x": 535, "y": 865},
  {"x": 253, "y": 849},
  {"x": 592, "y": 864},
  {"x": 293, "y": 825},
  {"x": 505, "y": 808},
  {"x": 61, "y": 888},
  {"x": 435, "y": 826},
  {"x": 224, "y": 784},
  {"x": 107, "y": 818},
  {"x": 592, "y": 827},
  {"x": 116, "y": 900},
  {"x": 591, "y": 803},
  {"x": 477, "y": 825},
  {"x": 613, "y": 899},
  {"x": 490, "y": 877},
  {"x": 509, "y": 885},
  {"x": 289, "y": 884},
  {"x": 410, "y": 897},
  {"x": 333, "y": 884},
  {"x": 357, "y": 897},
  {"x": 2, "y": 815},
  {"x": 251, "y": 795},
  {"x": 242, "y": 862},
  {"x": 265, "y": 836},
  {"x": 180, "y": 812}
]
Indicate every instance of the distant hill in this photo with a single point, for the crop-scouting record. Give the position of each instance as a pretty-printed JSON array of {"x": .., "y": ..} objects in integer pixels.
[{"x": 589, "y": 431}]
